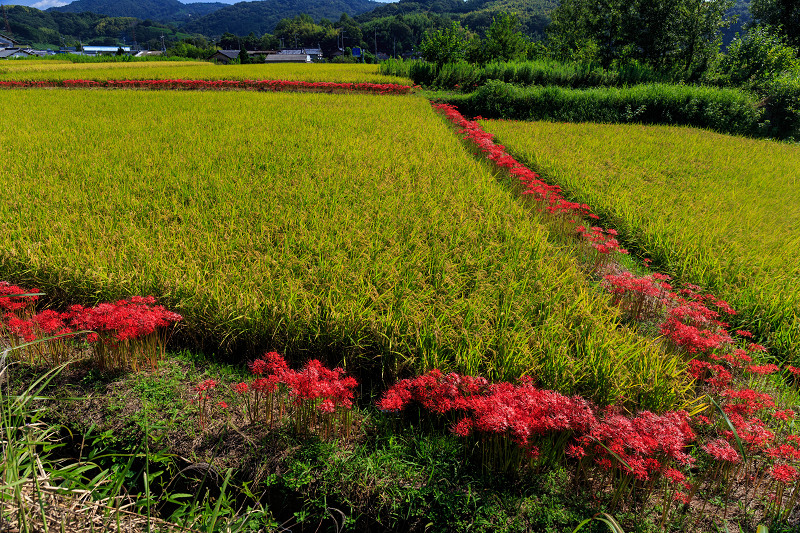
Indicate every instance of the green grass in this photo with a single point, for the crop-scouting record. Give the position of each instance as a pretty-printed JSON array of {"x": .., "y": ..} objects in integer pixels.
[
  {"x": 354, "y": 228},
  {"x": 195, "y": 70},
  {"x": 719, "y": 211}
]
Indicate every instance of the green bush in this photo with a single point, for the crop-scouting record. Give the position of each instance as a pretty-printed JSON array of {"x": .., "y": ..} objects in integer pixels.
[
  {"x": 538, "y": 72},
  {"x": 723, "y": 110},
  {"x": 783, "y": 107}
]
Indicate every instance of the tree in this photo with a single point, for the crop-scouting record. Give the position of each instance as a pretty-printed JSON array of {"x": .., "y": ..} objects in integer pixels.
[
  {"x": 503, "y": 42},
  {"x": 443, "y": 46},
  {"x": 680, "y": 36},
  {"x": 782, "y": 15},
  {"x": 757, "y": 58}
]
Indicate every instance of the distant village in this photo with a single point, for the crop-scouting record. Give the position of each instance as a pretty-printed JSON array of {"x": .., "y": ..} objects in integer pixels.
[{"x": 11, "y": 49}]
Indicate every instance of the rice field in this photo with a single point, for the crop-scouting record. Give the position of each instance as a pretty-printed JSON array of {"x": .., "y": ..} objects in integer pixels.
[
  {"x": 350, "y": 227},
  {"x": 719, "y": 211},
  {"x": 194, "y": 70}
]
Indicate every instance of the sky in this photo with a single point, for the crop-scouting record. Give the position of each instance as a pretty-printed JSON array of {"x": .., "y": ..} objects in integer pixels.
[{"x": 44, "y": 4}]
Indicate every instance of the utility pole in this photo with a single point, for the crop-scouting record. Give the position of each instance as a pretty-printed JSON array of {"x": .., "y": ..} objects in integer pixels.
[
  {"x": 133, "y": 31},
  {"x": 376, "y": 42},
  {"x": 8, "y": 26}
]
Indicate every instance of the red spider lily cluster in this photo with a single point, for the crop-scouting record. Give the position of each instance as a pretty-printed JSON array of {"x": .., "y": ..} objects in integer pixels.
[
  {"x": 12, "y": 299},
  {"x": 751, "y": 426},
  {"x": 123, "y": 334},
  {"x": 320, "y": 399},
  {"x": 630, "y": 449},
  {"x": 126, "y": 333},
  {"x": 544, "y": 426},
  {"x": 218, "y": 85},
  {"x": 550, "y": 197},
  {"x": 518, "y": 426}
]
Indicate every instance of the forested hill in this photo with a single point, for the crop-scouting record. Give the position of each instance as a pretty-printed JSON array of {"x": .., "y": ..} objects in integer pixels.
[
  {"x": 534, "y": 15},
  {"x": 159, "y": 10},
  {"x": 262, "y": 17},
  {"x": 45, "y": 29}
]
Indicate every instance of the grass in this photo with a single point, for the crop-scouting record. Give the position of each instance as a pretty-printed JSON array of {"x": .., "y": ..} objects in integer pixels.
[
  {"x": 715, "y": 210},
  {"x": 196, "y": 70},
  {"x": 387, "y": 477},
  {"x": 386, "y": 247}
]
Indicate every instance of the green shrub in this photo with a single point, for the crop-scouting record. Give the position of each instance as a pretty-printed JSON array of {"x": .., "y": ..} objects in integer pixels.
[
  {"x": 783, "y": 107},
  {"x": 723, "y": 110}
]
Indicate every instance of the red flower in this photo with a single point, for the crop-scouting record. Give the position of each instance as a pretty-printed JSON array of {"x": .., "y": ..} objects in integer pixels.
[
  {"x": 721, "y": 450},
  {"x": 783, "y": 473}
]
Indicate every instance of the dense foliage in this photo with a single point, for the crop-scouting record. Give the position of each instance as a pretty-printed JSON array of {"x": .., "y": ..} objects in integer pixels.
[
  {"x": 160, "y": 10},
  {"x": 679, "y": 35},
  {"x": 50, "y": 28},
  {"x": 262, "y": 17}
]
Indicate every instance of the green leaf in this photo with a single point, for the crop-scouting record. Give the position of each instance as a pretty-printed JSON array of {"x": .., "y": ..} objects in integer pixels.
[
  {"x": 606, "y": 518},
  {"x": 730, "y": 425}
]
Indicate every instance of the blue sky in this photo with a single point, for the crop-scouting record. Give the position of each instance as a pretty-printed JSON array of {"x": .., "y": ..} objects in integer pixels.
[{"x": 44, "y": 4}]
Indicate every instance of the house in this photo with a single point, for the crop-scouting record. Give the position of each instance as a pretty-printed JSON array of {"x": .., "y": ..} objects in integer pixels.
[
  {"x": 225, "y": 56},
  {"x": 253, "y": 54},
  {"x": 104, "y": 50},
  {"x": 14, "y": 53},
  {"x": 8, "y": 42},
  {"x": 148, "y": 53},
  {"x": 41, "y": 53},
  {"x": 315, "y": 53},
  {"x": 288, "y": 58}
]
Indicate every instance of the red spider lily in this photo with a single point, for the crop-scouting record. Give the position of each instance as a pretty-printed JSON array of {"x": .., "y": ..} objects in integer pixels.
[
  {"x": 272, "y": 363},
  {"x": 641, "y": 442},
  {"x": 550, "y": 196},
  {"x": 721, "y": 450},
  {"x": 435, "y": 391},
  {"x": 19, "y": 328},
  {"x": 681, "y": 497},
  {"x": 674, "y": 476},
  {"x": 257, "y": 85},
  {"x": 783, "y": 473},
  {"x": 124, "y": 319},
  {"x": 746, "y": 402},
  {"x": 126, "y": 332},
  {"x": 639, "y": 297},
  {"x": 763, "y": 370},
  {"x": 205, "y": 391},
  {"x": 321, "y": 396},
  {"x": 15, "y": 304},
  {"x": 784, "y": 451},
  {"x": 752, "y": 431}
]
